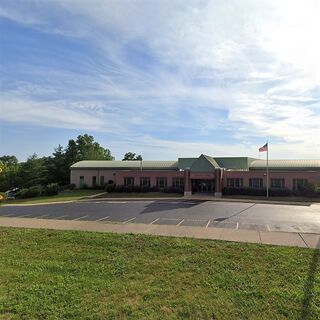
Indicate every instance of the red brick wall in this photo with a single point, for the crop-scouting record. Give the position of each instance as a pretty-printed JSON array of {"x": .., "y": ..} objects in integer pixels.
[
  {"x": 152, "y": 174},
  {"x": 313, "y": 177}
]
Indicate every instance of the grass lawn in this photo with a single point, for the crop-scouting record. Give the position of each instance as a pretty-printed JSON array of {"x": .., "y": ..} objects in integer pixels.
[
  {"x": 140, "y": 195},
  {"x": 81, "y": 275},
  {"x": 62, "y": 196}
]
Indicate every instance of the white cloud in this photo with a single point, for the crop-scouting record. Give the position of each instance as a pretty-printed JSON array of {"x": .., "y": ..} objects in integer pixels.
[{"x": 255, "y": 61}]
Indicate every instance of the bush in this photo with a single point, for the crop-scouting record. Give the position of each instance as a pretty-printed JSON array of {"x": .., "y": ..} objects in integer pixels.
[
  {"x": 52, "y": 189},
  {"x": 234, "y": 191},
  {"x": 84, "y": 186},
  {"x": 172, "y": 190},
  {"x": 110, "y": 187},
  {"x": 280, "y": 192},
  {"x": 28, "y": 192},
  {"x": 308, "y": 190}
]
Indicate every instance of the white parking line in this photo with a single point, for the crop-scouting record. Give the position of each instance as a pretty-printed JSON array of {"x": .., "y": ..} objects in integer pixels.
[
  {"x": 268, "y": 228},
  {"x": 116, "y": 202},
  {"x": 208, "y": 224},
  {"x": 301, "y": 229},
  {"x": 60, "y": 217},
  {"x": 129, "y": 220},
  {"x": 180, "y": 222},
  {"x": 104, "y": 218},
  {"x": 80, "y": 217},
  {"x": 154, "y": 221},
  {"x": 44, "y": 215},
  {"x": 237, "y": 227}
]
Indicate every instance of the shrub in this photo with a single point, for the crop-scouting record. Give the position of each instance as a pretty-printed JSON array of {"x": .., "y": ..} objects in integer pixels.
[
  {"x": 84, "y": 186},
  {"x": 28, "y": 192},
  {"x": 71, "y": 186},
  {"x": 172, "y": 190},
  {"x": 110, "y": 187},
  {"x": 52, "y": 189},
  {"x": 235, "y": 191},
  {"x": 308, "y": 190},
  {"x": 136, "y": 189},
  {"x": 280, "y": 192}
]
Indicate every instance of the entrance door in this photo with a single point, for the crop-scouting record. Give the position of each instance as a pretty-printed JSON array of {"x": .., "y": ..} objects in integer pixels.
[{"x": 203, "y": 186}]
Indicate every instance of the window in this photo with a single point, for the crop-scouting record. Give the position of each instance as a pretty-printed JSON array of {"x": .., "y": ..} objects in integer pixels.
[
  {"x": 178, "y": 183},
  {"x": 128, "y": 181},
  {"x": 235, "y": 182},
  {"x": 256, "y": 183},
  {"x": 145, "y": 182},
  {"x": 299, "y": 183},
  {"x": 161, "y": 182},
  {"x": 102, "y": 181},
  {"x": 277, "y": 183},
  {"x": 94, "y": 180},
  {"x": 81, "y": 181}
]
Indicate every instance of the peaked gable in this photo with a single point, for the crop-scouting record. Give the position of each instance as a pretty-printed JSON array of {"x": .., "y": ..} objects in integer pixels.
[{"x": 204, "y": 164}]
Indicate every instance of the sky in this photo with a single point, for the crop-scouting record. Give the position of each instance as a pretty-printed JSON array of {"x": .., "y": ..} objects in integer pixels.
[{"x": 164, "y": 79}]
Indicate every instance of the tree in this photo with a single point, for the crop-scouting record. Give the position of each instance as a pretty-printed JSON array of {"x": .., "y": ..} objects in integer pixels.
[
  {"x": 131, "y": 156},
  {"x": 58, "y": 172},
  {"x": 9, "y": 175},
  {"x": 33, "y": 172}
]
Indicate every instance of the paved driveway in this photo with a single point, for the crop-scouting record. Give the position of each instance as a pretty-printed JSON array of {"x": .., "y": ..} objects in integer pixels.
[{"x": 234, "y": 215}]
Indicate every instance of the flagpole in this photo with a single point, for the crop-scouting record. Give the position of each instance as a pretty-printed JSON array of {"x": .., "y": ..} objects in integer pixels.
[{"x": 267, "y": 170}]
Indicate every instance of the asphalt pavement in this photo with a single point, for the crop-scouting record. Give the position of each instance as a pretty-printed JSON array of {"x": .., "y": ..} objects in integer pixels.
[{"x": 206, "y": 214}]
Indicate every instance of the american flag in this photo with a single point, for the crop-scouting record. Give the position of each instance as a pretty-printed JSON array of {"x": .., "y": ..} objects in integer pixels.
[{"x": 264, "y": 148}]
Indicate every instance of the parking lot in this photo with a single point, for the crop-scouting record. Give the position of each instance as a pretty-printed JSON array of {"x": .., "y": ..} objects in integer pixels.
[{"x": 206, "y": 214}]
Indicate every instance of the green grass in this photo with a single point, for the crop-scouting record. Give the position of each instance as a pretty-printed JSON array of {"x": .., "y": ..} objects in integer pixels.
[
  {"x": 62, "y": 196},
  {"x": 140, "y": 195},
  {"x": 81, "y": 275}
]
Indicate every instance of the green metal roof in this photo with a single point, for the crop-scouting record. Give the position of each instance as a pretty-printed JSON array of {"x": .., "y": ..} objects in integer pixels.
[
  {"x": 126, "y": 165},
  {"x": 240, "y": 163},
  {"x": 286, "y": 165},
  {"x": 204, "y": 164},
  {"x": 184, "y": 163}
]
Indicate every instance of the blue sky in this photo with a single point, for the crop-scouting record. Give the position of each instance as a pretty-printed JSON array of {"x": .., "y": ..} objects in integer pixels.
[{"x": 161, "y": 78}]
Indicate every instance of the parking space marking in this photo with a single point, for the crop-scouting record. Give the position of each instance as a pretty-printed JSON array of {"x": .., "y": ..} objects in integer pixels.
[
  {"x": 237, "y": 226},
  {"x": 154, "y": 221},
  {"x": 180, "y": 222},
  {"x": 116, "y": 201},
  {"x": 268, "y": 228},
  {"x": 170, "y": 219},
  {"x": 104, "y": 218},
  {"x": 207, "y": 225},
  {"x": 44, "y": 215},
  {"x": 80, "y": 217},
  {"x": 129, "y": 220},
  {"x": 60, "y": 216},
  {"x": 301, "y": 229}
]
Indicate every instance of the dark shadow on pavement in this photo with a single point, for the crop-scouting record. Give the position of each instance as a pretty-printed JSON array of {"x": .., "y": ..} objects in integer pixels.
[
  {"x": 309, "y": 285},
  {"x": 167, "y": 206}
]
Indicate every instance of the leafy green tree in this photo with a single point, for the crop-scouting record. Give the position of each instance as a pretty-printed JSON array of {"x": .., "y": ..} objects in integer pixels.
[
  {"x": 33, "y": 172},
  {"x": 131, "y": 156},
  {"x": 9, "y": 175}
]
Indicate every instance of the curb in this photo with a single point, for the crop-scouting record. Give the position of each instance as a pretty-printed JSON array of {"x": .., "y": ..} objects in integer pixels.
[{"x": 246, "y": 236}]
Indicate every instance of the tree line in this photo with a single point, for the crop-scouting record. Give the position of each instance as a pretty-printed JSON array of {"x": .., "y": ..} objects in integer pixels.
[{"x": 55, "y": 168}]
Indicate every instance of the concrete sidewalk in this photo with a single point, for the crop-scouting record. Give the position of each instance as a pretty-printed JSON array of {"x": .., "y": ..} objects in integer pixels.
[{"x": 251, "y": 236}]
